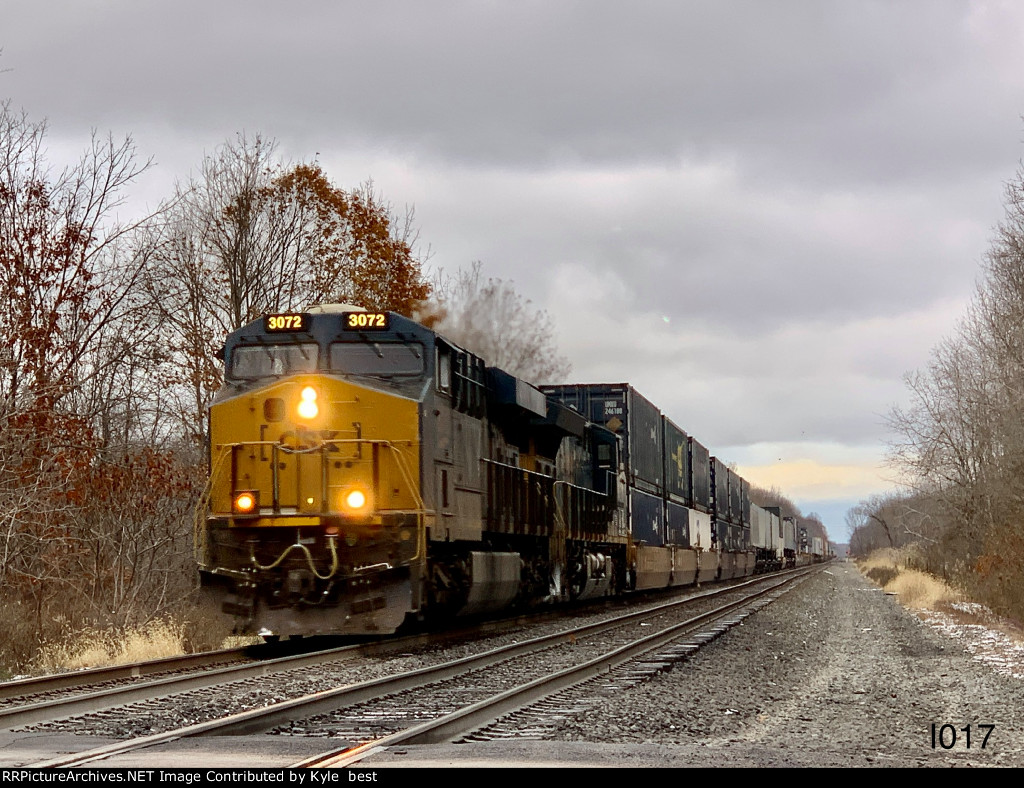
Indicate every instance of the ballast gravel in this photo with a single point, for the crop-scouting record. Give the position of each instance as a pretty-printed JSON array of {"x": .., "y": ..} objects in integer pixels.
[{"x": 835, "y": 673}]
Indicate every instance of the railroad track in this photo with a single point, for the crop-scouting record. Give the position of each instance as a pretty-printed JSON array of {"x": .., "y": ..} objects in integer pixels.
[
  {"x": 447, "y": 701},
  {"x": 49, "y": 698},
  {"x": 102, "y": 698},
  {"x": 55, "y": 687},
  {"x": 91, "y": 677},
  {"x": 527, "y": 708}
]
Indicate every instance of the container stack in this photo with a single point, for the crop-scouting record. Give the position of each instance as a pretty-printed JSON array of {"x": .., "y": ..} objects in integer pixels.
[{"x": 677, "y": 494}]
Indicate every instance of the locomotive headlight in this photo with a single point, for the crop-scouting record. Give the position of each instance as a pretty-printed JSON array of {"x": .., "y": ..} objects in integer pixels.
[
  {"x": 245, "y": 502},
  {"x": 307, "y": 404},
  {"x": 355, "y": 499}
]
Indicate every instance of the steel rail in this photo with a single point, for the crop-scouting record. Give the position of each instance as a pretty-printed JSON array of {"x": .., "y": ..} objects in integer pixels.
[
  {"x": 261, "y": 719},
  {"x": 57, "y": 708},
  {"x": 111, "y": 697},
  {"x": 464, "y": 720},
  {"x": 36, "y": 685}
]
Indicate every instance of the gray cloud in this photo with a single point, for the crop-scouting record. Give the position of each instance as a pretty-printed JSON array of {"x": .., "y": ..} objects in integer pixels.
[{"x": 870, "y": 90}]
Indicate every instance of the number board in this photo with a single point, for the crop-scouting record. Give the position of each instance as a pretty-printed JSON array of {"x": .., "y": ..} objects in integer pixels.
[
  {"x": 295, "y": 321},
  {"x": 365, "y": 321}
]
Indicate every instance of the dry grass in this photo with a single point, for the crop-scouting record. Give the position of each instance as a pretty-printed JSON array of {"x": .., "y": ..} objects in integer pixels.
[
  {"x": 207, "y": 628},
  {"x": 892, "y": 570},
  {"x": 917, "y": 589},
  {"x": 935, "y": 602},
  {"x": 64, "y": 636},
  {"x": 889, "y": 558},
  {"x": 97, "y": 648}
]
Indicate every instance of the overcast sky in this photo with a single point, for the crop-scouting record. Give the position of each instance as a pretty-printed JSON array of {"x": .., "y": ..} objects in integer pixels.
[{"x": 761, "y": 214}]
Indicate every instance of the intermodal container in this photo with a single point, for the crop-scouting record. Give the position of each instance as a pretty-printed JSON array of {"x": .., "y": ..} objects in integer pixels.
[
  {"x": 677, "y": 463},
  {"x": 789, "y": 527},
  {"x": 677, "y": 524},
  {"x": 700, "y": 476},
  {"x": 624, "y": 411},
  {"x": 646, "y": 517},
  {"x": 759, "y": 524},
  {"x": 720, "y": 490},
  {"x": 735, "y": 497}
]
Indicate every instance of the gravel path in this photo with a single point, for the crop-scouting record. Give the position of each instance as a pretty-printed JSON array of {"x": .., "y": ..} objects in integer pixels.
[{"x": 834, "y": 674}]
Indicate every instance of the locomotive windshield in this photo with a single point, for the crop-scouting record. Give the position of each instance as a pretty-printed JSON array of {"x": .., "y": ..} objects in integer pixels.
[
  {"x": 380, "y": 359},
  {"x": 264, "y": 361}
]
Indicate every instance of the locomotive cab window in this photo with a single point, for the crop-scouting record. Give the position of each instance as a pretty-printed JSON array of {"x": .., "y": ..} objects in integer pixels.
[
  {"x": 444, "y": 369},
  {"x": 468, "y": 384},
  {"x": 384, "y": 359},
  {"x": 264, "y": 361}
]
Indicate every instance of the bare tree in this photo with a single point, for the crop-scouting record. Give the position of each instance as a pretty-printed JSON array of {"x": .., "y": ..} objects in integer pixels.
[
  {"x": 67, "y": 273},
  {"x": 962, "y": 438},
  {"x": 772, "y": 496},
  {"x": 494, "y": 321},
  {"x": 74, "y": 379},
  {"x": 251, "y": 236}
]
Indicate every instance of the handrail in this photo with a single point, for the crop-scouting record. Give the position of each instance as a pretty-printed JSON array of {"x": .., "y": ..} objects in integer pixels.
[{"x": 226, "y": 450}]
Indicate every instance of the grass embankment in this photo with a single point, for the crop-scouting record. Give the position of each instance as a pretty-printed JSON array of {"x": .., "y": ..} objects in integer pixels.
[
  {"x": 892, "y": 570},
  {"x": 1001, "y": 640},
  {"x": 92, "y": 648}
]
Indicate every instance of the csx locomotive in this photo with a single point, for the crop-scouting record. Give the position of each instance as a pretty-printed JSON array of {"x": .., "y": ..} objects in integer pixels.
[{"x": 365, "y": 472}]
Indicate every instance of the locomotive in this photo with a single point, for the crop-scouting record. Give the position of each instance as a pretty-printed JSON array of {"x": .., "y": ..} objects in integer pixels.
[{"x": 365, "y": 472}]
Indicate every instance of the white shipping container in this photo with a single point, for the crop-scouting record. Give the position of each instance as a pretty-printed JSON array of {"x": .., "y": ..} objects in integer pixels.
[
  {"x": 789, "y": 529},
  {"x": 760, "y": 524},
  {"x": 774, "y": 532},
  {"x": 700, "y": 530}
]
